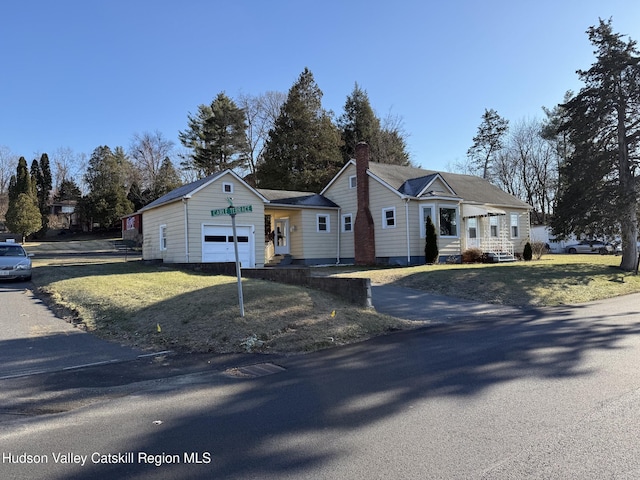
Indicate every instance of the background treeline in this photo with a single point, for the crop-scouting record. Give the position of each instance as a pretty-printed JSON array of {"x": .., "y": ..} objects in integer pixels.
[{"x": 273, "y": 140}]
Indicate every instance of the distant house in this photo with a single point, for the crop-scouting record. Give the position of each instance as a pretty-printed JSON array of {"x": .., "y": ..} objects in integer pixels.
[{"x": 368, "y": 213}]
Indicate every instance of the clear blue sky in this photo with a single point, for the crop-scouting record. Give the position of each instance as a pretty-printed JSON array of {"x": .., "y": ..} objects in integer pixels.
[{"x": 85, "y": 73}]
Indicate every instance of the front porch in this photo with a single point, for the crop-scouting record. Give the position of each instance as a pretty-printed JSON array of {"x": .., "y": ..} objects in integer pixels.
[{"x": 490, "y": 233}]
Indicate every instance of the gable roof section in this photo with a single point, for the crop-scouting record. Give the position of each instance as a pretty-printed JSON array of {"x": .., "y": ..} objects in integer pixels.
[
  {"x": 415, "y": 182},
  {"x": 186, "y": 191},
  {"x": 474, "y": 189},
  {"x": 337, "y": 175},
  {"x": 298, "y": 199}
]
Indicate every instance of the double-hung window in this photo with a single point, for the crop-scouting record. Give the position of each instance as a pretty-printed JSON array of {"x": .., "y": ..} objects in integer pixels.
[
  {"x": 347, "y": 222},
  {"x": 163, "y": 237},
  {"x": 493, "y": 226},
  {"x": 389, "y": 217},
  {"x": 514, "y": 217},
  {"x": 322, "y": 223},
  {"x": 426, "y": 211},
  {"x": 472, "y": 227}
]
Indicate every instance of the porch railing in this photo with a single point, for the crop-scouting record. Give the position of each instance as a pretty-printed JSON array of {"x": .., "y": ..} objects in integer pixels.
[{"x": 497, "y": 246}]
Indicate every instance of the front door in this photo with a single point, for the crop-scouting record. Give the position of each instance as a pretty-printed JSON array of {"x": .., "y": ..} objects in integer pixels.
[{"x": 281, "y": 236}]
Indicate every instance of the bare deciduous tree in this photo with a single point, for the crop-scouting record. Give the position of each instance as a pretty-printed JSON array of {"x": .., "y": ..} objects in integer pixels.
[
  {"x": 261, "y": 112},
  {"x": 148, "y": 151}
]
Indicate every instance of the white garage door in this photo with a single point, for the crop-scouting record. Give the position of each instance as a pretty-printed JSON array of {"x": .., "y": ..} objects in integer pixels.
[{"x": 217, "y": 245}]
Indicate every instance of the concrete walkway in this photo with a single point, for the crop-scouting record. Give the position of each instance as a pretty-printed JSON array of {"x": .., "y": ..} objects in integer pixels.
[{"x": 418, "y": 305}]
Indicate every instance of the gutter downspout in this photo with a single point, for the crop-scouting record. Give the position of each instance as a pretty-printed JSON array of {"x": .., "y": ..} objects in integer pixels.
[
  {"x": 406, "y": 216},
  {"x": 186, "y": 228},
  {"x": 339, "y": 228}
]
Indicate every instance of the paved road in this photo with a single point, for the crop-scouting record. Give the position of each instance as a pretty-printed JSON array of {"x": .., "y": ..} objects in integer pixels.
[
  {"x": 536, "y": 393},
  {"x": 33, "y": 340}
]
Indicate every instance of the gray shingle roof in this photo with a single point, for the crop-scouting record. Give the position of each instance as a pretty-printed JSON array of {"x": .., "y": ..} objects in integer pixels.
[
  {"x": 180, "y": 192},
  {"x": 411, "y": 181},
  {"x": 300, "y": 199}
]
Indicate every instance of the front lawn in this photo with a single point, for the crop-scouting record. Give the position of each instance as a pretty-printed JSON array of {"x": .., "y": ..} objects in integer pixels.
[
  {"x": 552, "y": 280},
  {"x": 156, "y": 307}
]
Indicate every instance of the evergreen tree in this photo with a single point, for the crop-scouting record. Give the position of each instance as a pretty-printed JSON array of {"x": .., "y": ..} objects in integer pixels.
[
  {"x": 358, "y": 123},
  {"x": 22, "y": 203},
  {"x": 303, "y": 148},
  {"x": 21, "y": 182},
  {"x": 68, "y": 190},
  {"x": 487, "y": 142},
  {"x": 41, "y": 178},
  {"x": 216, "y": 136},
  {"x": 107, "y": 179},
  {"x": 167, "y": 179},
  {"x": 431, "y": 244},
  {"x": 23, "y": 216},
  {"x": 598, "y": 190}
]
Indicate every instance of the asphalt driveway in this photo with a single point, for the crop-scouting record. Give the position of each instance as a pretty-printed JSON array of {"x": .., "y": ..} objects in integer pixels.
[{"x": 33, "y": 340}]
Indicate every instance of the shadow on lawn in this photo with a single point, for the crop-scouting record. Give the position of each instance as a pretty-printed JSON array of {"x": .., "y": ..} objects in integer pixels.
[
  {"x": 277, "y": 425},
  {"x": 511, "y": 284}
]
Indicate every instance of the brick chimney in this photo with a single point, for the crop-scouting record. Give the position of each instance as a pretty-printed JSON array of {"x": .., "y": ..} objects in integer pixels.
[{"x": 364, "y": 232}]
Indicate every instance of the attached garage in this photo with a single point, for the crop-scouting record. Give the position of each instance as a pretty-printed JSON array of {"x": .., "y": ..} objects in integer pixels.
[{"x": 217, "y": 244}]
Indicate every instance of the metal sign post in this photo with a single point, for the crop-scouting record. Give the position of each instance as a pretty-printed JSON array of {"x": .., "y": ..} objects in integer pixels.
[
  {"x": 232, "y": 211},
  {"x": 235, "y": 248}
]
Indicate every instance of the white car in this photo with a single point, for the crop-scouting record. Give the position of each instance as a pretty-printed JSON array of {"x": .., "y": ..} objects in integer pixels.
[
  {"x": 589, "y": 246},
  {"x": 15, "y": 263}
]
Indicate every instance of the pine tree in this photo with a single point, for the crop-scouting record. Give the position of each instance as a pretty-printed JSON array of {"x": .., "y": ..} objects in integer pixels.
[
  {"x": 303, "y": 148},
  {"x": 598, "y": 182},
  {"x": 487, "y": 142},
  {"x": 358, "y": 123},
  {"x": 20, "y": 216},
  {"x": 107, "y": 179},
  {"x": 216, "y": 137}
]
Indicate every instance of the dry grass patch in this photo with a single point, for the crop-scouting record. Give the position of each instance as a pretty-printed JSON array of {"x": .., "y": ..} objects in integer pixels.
[
  {"x": 552, "y": 280},
  {"x": 158, "y": 307}
]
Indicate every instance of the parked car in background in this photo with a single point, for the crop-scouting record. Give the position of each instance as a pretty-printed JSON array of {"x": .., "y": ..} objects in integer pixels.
[
  {"x": 617, "y": 248},
  {"x": 589, "y": 246},
  {"x": 15, "y": 263}
]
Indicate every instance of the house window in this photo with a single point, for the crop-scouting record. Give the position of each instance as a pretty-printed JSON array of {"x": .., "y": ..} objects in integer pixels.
[
  {"x": 472, "y": 227},
  {"x": 227, "y": 187},
  {"x": 163, "y": 237},
  {"x": 426, "y": 212},
  {"x": 389, "y": 217},
  {"x": 514, "y": 225},
  {"x": 353, "y": 181},
  {"x": 347, "y": 223},
  {"x": 448, "y": 222},
  {"x": 323, "y": 223},
  {"x": 493, "y": 226}
]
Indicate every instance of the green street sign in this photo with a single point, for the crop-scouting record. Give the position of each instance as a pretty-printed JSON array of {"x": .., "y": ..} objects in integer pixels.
[{"x": 231, "y": 210}]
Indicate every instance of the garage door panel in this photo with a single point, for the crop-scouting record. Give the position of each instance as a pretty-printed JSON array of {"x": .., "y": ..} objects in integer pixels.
[{"x": 217, "y": 245}]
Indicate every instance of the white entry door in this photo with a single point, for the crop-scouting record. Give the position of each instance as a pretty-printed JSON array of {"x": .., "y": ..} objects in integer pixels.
[{"x": 281, "y": 236}]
